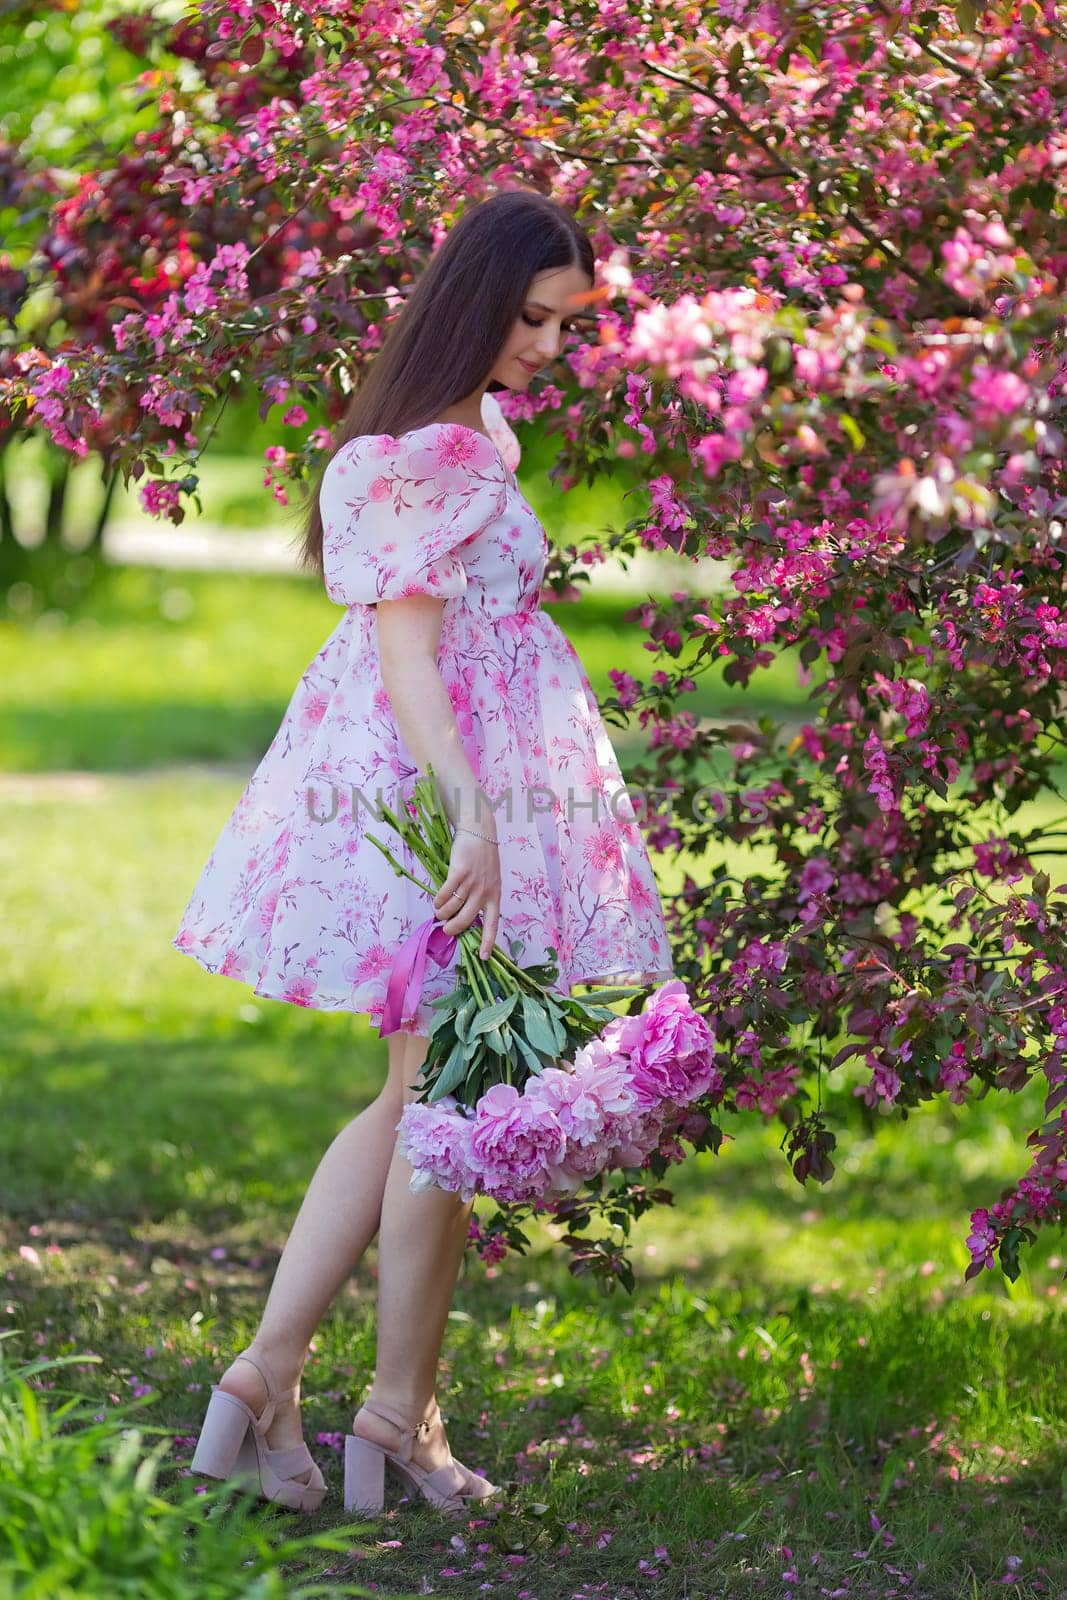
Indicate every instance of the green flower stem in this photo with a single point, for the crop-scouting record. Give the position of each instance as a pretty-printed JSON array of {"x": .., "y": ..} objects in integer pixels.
[
  {"x": 467, "y": 963},
  {"x": 441, "y": 832},
  {"x": 428, "y": 801},
  {"x": 430, "y": 821},
  {"x": 415, "y": 842},
  {"x": 423, "y": 845},
  {"x": 429, "y": 858},
  {"x": 508, "y": 975},
  {"x": 395, "y": 864},
  {"x": 473, "y": 966},
  {"x": 504, "y": 961}
]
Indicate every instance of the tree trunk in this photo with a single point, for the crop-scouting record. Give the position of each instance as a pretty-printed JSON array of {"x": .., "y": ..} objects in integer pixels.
[
  {"x": 97, "y": 539},
  {"x": 14, "y": 560},
  {"x": 58, "y": 477},
  {"x": 46, "y": 565},
  {"x": 7, "y": 520}
]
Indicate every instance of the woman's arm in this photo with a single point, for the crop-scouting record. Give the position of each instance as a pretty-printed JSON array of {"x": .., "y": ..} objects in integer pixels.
[{"x": 409, "y": 633}]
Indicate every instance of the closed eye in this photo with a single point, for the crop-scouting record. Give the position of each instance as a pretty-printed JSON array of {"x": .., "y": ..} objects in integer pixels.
[{"x": 534, "y": 322}]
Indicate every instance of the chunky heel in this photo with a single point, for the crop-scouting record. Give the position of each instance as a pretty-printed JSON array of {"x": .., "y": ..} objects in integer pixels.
[
  {"x": 452, "y": 1488},
  {"x": 233, "y": 1445},
  {"x": 225, "y": 1428},
  {"x": 364, "y": 1475}
]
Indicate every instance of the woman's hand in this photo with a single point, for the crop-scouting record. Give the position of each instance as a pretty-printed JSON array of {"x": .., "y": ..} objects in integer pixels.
[{"x": 472, "y": 889}]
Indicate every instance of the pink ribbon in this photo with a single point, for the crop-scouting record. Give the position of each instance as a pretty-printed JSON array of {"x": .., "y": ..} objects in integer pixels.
[{"x": 408, "y": 972}]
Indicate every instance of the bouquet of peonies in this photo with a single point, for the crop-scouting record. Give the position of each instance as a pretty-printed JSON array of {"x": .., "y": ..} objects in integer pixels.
[
  {"x": 624, "y": 1091},
  {"x": 525, "y": 1093}
]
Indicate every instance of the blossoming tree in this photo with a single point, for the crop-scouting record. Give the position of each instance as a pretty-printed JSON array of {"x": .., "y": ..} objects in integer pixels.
[{"x": 831, "y": 333}]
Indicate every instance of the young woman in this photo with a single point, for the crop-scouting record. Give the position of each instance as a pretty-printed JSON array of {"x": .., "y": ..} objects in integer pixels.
[{"x": 443, "y": 658}]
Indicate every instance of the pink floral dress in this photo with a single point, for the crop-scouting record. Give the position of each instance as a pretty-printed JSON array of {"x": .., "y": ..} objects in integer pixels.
[{"x": 294, "y": 899}]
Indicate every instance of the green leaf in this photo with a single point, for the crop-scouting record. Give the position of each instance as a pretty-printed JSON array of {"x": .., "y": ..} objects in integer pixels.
[
  {"x": 463, "y": 1018},
  {"x": 473, "y": 1089},
  {"x": 601, "y": 997},
  {"x": 533, "y": 1061},
  {"x": 555, "y": 1017},
  {"x": 489, "y": 1016},
  {"x": 852, "y": 428},
  {"x": 452, "y": 1073},
  {"x": 539, "y": 1028}
]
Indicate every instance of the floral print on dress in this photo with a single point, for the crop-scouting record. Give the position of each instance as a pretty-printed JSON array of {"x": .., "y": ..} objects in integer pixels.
[{"x": 294, "y": 899}]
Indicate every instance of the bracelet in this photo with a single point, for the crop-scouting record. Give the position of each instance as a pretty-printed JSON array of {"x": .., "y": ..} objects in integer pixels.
[{"x": 484, "y": 836}]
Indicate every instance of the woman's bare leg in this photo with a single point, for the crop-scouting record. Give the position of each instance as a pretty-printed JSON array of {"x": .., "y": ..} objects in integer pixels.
[
  {"x": 338, "y": 1218},
  {"x": 420, "y": 1249}
]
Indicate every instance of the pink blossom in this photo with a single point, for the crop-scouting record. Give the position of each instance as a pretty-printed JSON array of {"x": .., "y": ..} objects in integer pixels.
[
  {"x": 54, "y": 380},
  {"x": 885, "y": 1085},
  {"x": 436, "y": 1138},
  {"x": 159, "y": 498},
  {"x": 816, "y": 877},
  {"x": 669, "y": 1046},
  {"x": 982, "y": 1237},
  {"x": 513, "y": 1143},
  {"x": 996, "y": 858},
  {"x": 953, "y": 1075},
  {"x": 997, "y": 393},
  {"x": 881, "y": 783}
]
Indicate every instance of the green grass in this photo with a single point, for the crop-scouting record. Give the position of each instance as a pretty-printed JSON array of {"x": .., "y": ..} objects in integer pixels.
[
  {"x": 799, "y": 1370},
  {"x": 157, "y": 667},
  {"x": 84, "y": 1518},
  {"x": 793, "y": 1363}
]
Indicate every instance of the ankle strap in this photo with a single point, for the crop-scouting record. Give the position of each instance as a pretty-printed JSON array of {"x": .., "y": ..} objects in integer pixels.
[
  {"x": 274, "y": 1394},
  {"x": 409, "y": 1431}
]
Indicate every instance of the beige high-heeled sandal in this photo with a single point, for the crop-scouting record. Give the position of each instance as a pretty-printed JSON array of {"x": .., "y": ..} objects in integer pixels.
[
  {"x": 233, "y": 1445},
  {"x": 452, "y": 1488}
]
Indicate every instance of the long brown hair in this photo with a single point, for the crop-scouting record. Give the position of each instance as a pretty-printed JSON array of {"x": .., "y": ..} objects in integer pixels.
[{"x": 455, "y": 321}]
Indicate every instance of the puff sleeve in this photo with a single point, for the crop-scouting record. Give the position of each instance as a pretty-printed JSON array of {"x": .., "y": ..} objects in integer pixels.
[{"x": 396, "y": 512}]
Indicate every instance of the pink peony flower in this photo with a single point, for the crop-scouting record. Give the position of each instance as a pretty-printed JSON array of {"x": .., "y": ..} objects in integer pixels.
[
  {"x": 631, "y": 1139},
  {"x": 606, "y": 1067},
  {"x": 436, "y": 1139},
  {"x": 581, "y": 1098},
  {"x": 571, "y": 1100},
  {"x": 623, "y": 1097},
  {"x": 669, "y": 1045},
  {"x": 514, "y": 1142},
  {"x": 581, "y": 1162}
]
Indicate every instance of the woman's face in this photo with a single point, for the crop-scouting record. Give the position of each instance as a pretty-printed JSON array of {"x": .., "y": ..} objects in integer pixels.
[{"x": 551, "y": 311}]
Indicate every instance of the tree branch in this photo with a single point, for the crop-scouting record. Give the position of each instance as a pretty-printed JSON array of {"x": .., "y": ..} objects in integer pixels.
[{"x": 933, "y": 285}]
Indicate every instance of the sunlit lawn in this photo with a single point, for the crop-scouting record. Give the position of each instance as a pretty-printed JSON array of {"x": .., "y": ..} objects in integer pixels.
[
  {"x": 160, "y": 667},
  {"x": 801, "y": 1398}
]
